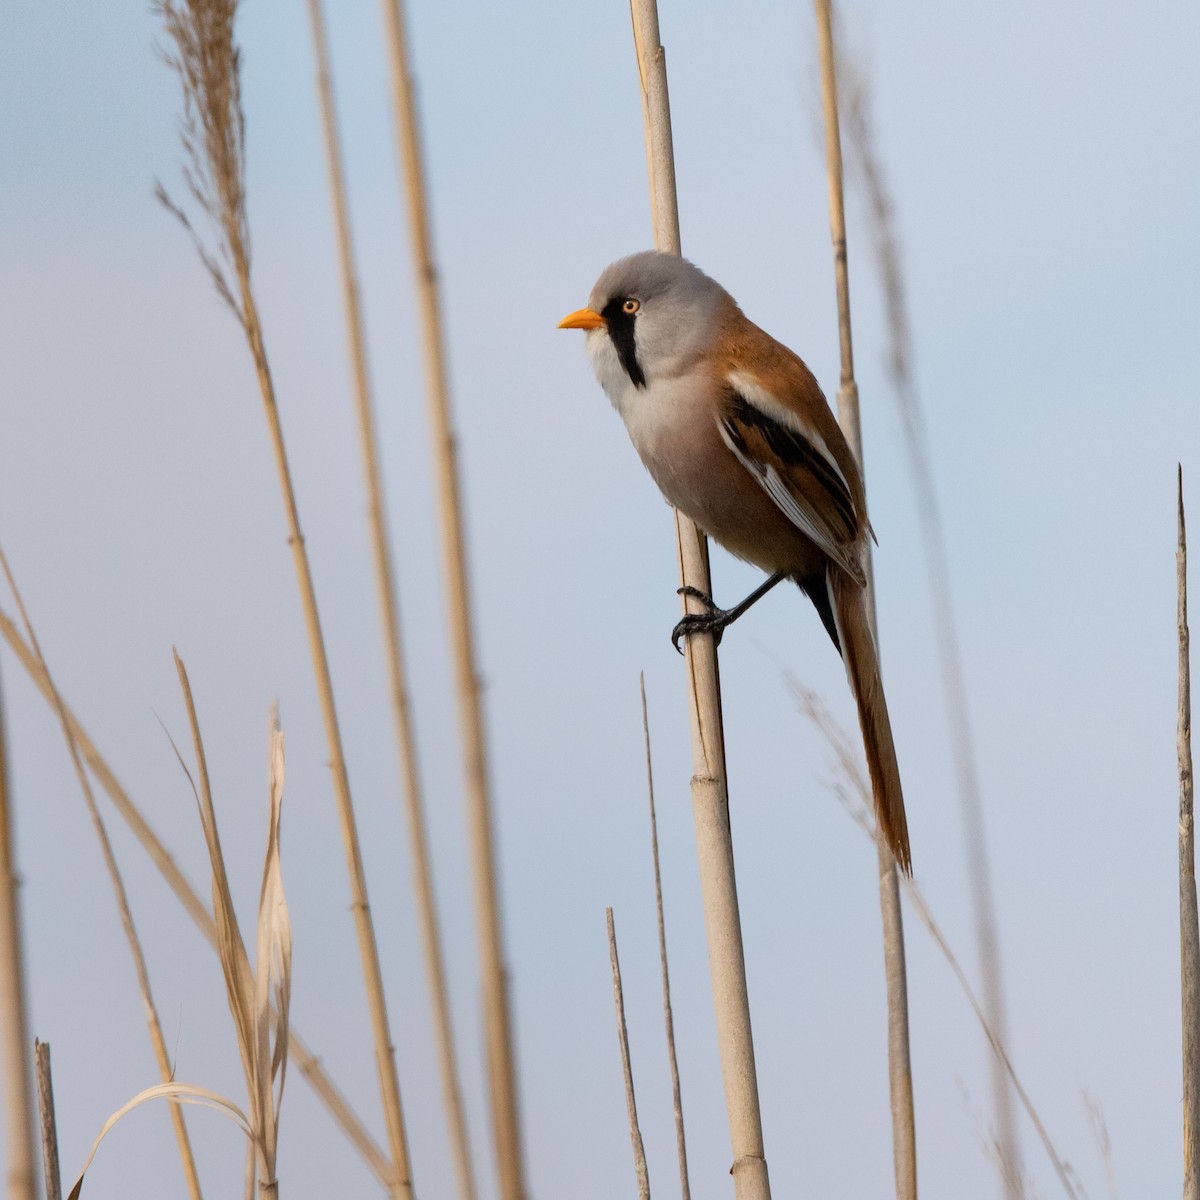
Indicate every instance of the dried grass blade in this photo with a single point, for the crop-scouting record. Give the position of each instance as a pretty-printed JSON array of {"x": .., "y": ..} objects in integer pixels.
[
  {"x": 181, "y": 1093},
  {"x": 141, "y": 970},
  {"x": 273, "y": 961},
  {"x": 306, "y": 1061}
]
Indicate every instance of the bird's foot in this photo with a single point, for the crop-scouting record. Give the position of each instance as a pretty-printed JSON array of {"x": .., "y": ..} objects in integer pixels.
[{"x": 713, "y": 621}]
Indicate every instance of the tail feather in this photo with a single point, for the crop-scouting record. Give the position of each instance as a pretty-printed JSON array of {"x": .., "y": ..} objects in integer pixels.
[{"x": 862, "y": 667}]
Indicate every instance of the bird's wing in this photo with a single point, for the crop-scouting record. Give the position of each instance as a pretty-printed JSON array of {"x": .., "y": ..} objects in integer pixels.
[{"x": 789, "y": 456}]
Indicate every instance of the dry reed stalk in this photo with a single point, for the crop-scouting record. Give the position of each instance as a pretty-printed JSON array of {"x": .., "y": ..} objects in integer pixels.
[
  {"x": 18, "y": 1085},
  {"x": 710, "y": 795},
  {"x": 904, "y": 1130},
  {"x": 207, "y": 61},
  {"x": 1189, "y": 926},
  {"x": 259, "y": 996},
  {"x": 635, "y": 1133},
  {"x": 497, "y": 1015},
  {"x": 305, "y": 1060},
  {"x": 389, "y": 607},
  {"x": 45, "y": 1090},
  {"x": 676, "y": 1091},
  {"x": 854, "y": 793},
  {"x": 899, "y": 358},
  {"x": 142, "y": 972}
]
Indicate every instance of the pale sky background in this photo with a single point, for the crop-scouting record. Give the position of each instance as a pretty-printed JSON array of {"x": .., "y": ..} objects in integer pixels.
[{"x": 1044, "y": 163}]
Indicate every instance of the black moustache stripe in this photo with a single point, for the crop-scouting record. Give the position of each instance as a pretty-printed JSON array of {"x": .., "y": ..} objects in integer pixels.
[{"x": 621, "y": 330}]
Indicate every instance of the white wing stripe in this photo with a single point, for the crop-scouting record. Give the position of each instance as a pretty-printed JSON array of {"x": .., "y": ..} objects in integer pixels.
[
  {"x": 754, "y": 393},
  {"x": 794, "y": 507}
]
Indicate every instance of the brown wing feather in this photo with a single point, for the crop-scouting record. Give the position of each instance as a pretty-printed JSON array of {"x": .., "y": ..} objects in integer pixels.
[{"x": 776, "y": 420}]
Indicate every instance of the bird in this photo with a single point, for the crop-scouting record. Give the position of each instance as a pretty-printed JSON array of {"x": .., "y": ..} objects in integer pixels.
[{"x": 736, "y": 432}]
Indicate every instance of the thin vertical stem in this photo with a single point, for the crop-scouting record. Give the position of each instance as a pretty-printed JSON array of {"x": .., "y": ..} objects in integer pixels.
[
  {"x": 904, "y": 1138},
  {"x": 368, "y": 948},
  {"x": 304, "y": 1059},
  {"x": 45, "y": 1090},
  {"x": 635, "y": 1133},
  {"x": 385, "y": 578},
  {"x": 141, "y": 970},
  {"x": 710, "y": 796},
  {"x": 958, "y": 713},
  {"x": 1189, "y": 926},
  {"x": 18, "y": 1086},
  {"x": 497, "y": 1015},
  {"x": 676, "y": 1091}
]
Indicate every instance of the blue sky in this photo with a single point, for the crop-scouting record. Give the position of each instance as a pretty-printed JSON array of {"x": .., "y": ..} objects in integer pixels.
[{"x": 1043, "y": 163}]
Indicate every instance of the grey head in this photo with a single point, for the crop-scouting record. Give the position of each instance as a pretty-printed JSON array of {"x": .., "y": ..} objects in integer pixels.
[{"x": 659, "y": 314}]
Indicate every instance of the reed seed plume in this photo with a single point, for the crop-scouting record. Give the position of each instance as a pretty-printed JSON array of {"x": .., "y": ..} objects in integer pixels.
[
  {"x": 868, "y": 169},
  {"x": 212, "y": 129},
  {"x": 141, "y": 968},
  {"x": 207, "y": 62},
  {"x": 853, "y": 791}
]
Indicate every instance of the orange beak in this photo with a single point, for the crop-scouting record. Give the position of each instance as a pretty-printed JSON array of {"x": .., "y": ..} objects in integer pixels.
[{"x": 583, "y": 318}]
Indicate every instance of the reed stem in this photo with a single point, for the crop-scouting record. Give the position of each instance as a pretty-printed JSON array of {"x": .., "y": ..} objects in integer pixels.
[
  {"x": 1189, "y": 926},
  {"x": 389, "y": 607},
  {"x": 635, "y": 1133},
  {"x": 497, "y": 1014},
  {"x": 141, "y": 970},
  {"x": 710, "y": 796},
  {"x": 20, "y": 1179},
  {"x": 904, "y": 1137},
  {"x": 302, "y": 1057},
  {"x": 685, "y": 1190}
]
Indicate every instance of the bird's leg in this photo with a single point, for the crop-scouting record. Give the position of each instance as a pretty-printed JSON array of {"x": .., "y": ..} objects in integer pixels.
[{"x": 716, "y": 619}]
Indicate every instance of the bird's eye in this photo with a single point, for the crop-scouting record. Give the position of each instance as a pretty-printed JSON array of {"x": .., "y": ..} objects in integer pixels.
[{"x": 630, "y": 306}]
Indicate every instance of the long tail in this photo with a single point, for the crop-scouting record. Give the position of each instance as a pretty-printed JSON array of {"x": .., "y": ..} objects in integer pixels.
[{"x": 862, "y": 666}]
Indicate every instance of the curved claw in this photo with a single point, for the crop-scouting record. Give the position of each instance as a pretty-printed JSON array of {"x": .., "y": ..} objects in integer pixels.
[
  {"x": 713, "y": 622},
  {"x": 697, "y": 594}
]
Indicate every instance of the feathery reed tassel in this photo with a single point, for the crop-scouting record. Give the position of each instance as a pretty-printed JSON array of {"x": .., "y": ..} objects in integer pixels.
[{"x": 208, "y": 64}]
